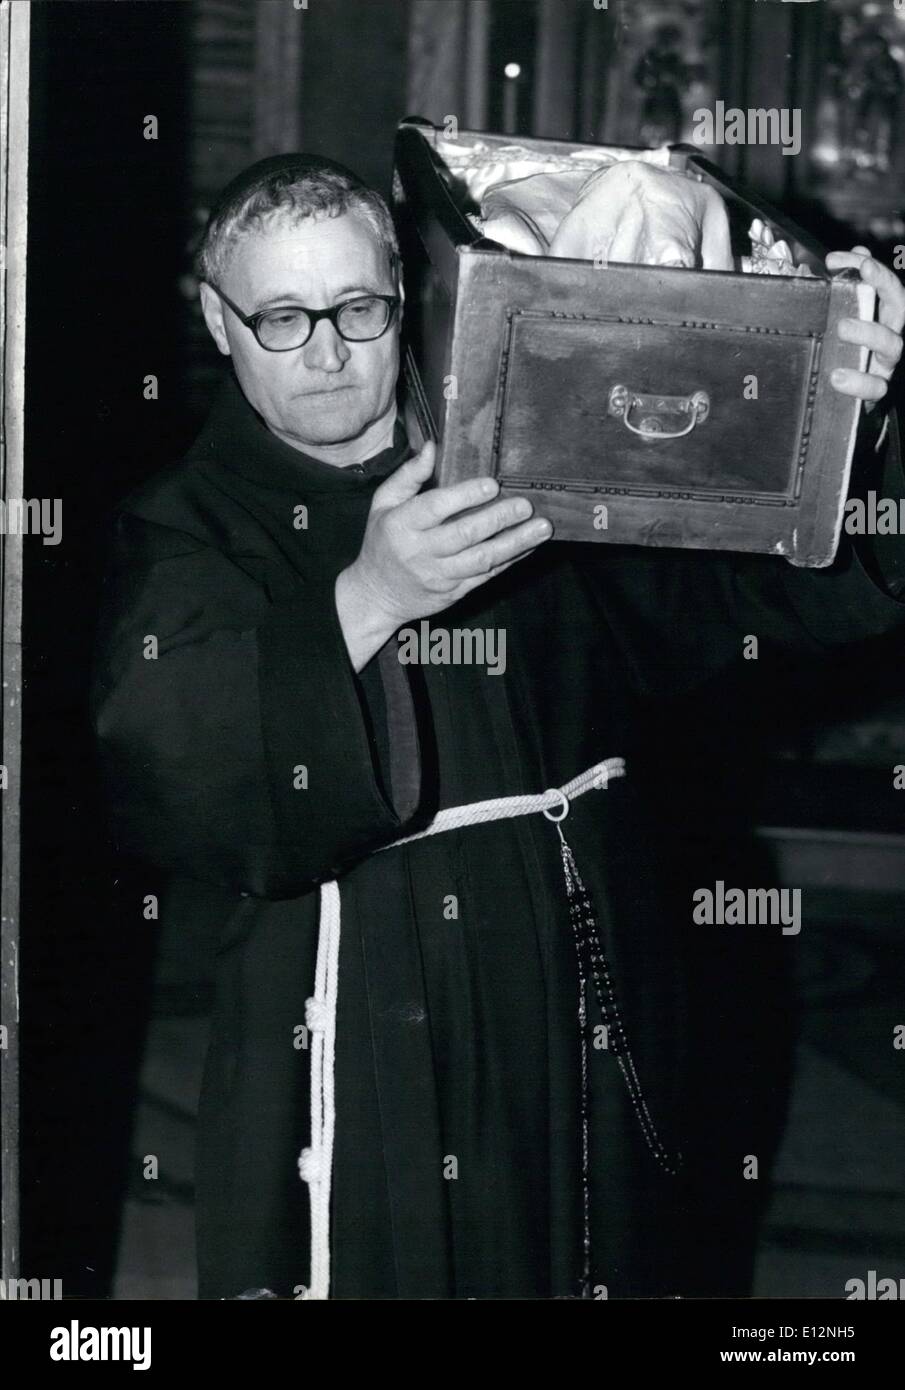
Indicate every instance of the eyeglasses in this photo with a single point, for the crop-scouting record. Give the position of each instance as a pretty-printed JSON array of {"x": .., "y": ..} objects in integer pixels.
[{"x": 289, "y": 326}]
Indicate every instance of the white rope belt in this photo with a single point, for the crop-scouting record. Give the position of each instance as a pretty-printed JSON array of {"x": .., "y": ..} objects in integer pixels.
[{"x": 316, "y": 1162}]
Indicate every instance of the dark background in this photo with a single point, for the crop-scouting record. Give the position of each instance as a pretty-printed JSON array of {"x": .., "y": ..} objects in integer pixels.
[{"x": 113, "y": 1012}]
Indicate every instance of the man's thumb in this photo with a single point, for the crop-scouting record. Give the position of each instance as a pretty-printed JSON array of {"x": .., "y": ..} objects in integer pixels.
[{"x": 408, "y": 479}]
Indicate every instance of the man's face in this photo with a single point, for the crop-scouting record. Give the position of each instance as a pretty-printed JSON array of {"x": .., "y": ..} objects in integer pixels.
[{"x": 328, "y": 391}]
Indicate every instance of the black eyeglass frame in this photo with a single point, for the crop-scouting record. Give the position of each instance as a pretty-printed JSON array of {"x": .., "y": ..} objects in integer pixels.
[{"x": 314, "y": 316}]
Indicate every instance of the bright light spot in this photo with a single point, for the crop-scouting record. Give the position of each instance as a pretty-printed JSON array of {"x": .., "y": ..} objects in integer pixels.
[
  {"x": 825, "y": 153},
  {"x": 513, "y": 69}
]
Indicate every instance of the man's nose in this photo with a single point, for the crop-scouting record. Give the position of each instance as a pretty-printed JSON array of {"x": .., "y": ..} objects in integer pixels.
[{"x": 325, "y": 350}]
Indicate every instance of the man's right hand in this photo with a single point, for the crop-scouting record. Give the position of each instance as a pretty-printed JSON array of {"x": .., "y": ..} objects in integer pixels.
[{"x": 423, "y": 551}]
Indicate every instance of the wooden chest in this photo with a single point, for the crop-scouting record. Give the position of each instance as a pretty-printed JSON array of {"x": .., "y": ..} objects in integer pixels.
[{"x": 635, "y": 405}]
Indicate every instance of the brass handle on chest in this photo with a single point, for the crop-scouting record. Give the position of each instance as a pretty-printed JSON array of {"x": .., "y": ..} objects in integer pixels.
[{"x": 654, "y": 412}]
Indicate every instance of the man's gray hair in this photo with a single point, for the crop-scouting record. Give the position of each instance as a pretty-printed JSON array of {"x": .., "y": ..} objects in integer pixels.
[{"x": 294, "y": 186}]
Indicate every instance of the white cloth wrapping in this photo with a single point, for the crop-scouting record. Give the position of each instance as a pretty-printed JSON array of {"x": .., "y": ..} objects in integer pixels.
[{"x": 632, "y": 212}]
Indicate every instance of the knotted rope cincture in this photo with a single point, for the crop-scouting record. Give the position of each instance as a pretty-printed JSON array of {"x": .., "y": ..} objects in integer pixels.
[{"x": 315, "y": 1162}]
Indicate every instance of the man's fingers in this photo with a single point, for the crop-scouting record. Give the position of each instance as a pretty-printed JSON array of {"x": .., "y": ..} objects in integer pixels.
[
  {"x": 883, "y": 338},
  {"x": 847, "y": 260},
  {"x": 885, "y": 345},
  {"x": 483, "y": 558},
  {"x": 479, "y": 525},
  {"x": 443, "y": 502},
  {"x": 867, "y": 385},
  {"x": 479, "y": 579},
  {"x": 408, "y": 479},
  {"x": 841, "y": 260},
  {"x": 890, "y": 291}
]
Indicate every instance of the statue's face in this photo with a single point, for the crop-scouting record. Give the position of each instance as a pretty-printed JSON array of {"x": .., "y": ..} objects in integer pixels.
[{"x": 634, "y": 212}]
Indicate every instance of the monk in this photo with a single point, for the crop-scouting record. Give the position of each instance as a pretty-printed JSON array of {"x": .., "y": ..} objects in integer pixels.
[{"x": 455, "y": 1066}]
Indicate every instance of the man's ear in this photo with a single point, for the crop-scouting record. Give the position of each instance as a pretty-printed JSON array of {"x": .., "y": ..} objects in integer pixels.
[
  {"x": 212, "y": 308},
  {"x": 396, "y": 272}
]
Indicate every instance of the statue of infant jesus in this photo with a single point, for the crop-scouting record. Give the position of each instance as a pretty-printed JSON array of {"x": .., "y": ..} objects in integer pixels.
[{"x": 630, "y": 211}]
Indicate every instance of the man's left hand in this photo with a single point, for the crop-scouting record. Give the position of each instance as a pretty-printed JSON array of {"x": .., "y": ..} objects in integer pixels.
[{"x": 883, "y": 338}]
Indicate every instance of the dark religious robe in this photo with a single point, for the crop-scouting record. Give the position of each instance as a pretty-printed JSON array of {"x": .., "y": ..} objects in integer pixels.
[{"x": 244, "y": 754}]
